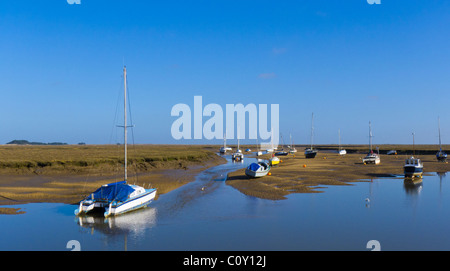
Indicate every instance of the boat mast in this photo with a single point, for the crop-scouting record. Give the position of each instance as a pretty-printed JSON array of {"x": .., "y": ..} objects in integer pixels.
[
  {"x": 439, "y": 126},
  {"x": 339, "y": 133},
  {"x": 414, "y": 149},
  {"x": 370, "y": 137},
  {"x": 125, "y": 117},
  {"x": 312, "y": 129}
]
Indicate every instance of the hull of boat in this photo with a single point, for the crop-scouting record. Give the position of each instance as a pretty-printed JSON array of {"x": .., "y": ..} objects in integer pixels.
[
  {"x": 310, "y": 154},
  {"x": 441, "y": 156},
  {"x": 281, "y": 153},
  {"x": 237, "y": 157},
  {"x": 90, "y": 207},
  {"x": 131, "y": 204},
  {"x": 372, "y": 160},
  {"x": 256, "y": 174},
  {"x": 412, "y": 171},
  {"x": 342, "y": 152}
]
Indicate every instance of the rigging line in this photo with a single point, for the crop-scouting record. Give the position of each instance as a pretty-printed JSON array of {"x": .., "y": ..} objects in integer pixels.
[
  {"x": 132, "y": 129},
  {"x": 115, "y": 115}
]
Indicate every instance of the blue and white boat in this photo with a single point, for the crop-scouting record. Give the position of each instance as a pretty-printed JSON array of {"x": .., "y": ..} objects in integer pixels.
[
  {"x": 116, "y": 198},
  {"x": 413, "y": 168},
  {"x": 120, "y": 197},
  {"x": 257, "y": 170}
]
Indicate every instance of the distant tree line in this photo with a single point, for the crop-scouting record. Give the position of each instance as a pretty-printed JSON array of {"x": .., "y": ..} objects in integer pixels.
[{"x": 26, "y": 142}]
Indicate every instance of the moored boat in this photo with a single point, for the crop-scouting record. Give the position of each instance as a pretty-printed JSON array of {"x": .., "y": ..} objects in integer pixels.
[
  {"x": 311, "y": 152},
  {"x": 274, "y": 161},
  {"x": 392, "y": 152},
  {"x": 371, "y": 157},
  {"x": 257, "y": 170},
  {"x": 120, "y": 197},
  {"x": 413, "y": 167},
  {"x": 341, "y": 151},
  {"x": 237, "y": 156},
  {"x": 440, "y": 155}
]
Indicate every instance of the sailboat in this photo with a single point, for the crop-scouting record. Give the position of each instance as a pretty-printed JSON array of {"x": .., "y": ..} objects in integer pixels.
[
  {"x": 341, "y": 151},
  {"x": 440, "y": 155},
  {"x": 371, "y": 157},
  {"x": 120, "y": 197},
  {"x": 311, "y": 153},
  {"x": 413, "y": 166},
  {"x": 224, "y": 149},
  {"x": 238, "y": 156},
  {"x": 282, "y": 152},
  {"x": 292, "y": 149}
]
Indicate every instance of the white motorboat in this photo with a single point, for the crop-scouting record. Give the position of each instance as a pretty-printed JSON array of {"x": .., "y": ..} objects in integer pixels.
[
  {"x": 257, "y": 170},
  {"x": 120, "y": 197}
]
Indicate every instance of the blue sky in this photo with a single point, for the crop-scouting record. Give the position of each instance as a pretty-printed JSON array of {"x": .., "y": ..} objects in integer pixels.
[{"x": 347, "y": 61}]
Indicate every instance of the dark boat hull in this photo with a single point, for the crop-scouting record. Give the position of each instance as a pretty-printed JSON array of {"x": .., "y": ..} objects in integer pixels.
[
  {"x": 412, "y": 171},
  {"x": 310, "y": 154},
  {"x": 441, "y": 156}
]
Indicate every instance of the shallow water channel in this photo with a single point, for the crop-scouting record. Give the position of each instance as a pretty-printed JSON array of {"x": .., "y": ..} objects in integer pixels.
[{"x": 209, "y": 215}]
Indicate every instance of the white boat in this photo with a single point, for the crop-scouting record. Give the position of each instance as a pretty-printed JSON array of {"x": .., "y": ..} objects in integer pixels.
[
  {"x": 311, "y": 153},
  {"x": 257, "y": 170},
  {"x": 274, "y": 161},
  {"x": 371, "y": 157},
  {"x": 413, "y": 167},
  {"x": 392, "y": 152},
  {"x": 238, "y": 156},
  {"x": 224, "y": 149},
  {"x": 292, "y": 149},
  {"x": 120, "y": 197},
  {"x": 341, "y": 151}
]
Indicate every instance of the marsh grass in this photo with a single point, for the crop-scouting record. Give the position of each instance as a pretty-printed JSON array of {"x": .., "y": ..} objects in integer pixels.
[{"x": 93, "y": 159}]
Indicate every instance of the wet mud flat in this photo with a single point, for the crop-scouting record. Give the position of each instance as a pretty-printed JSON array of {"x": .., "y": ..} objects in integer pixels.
[
  {"x": 30, "y": 174},
  {"x": 296, "y": 174}
]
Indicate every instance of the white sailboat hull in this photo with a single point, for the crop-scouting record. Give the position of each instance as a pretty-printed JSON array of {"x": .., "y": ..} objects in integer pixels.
[
  {"x": 131, "y": 204},
  {"x": 256, "y": 174},
  {"x": 372, "y": 160}
]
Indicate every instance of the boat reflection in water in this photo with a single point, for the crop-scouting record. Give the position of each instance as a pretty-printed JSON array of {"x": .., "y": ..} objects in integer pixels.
[
  {"x": 413, "y": 186},
  {"x": 134, "y": 223}
]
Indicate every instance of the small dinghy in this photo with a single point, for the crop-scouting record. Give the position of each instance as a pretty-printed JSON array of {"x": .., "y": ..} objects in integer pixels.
[{"x": 257, "y": 170}]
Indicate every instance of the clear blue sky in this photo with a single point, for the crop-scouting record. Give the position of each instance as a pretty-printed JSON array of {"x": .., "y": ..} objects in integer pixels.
[{"x": 347, "y": 61}]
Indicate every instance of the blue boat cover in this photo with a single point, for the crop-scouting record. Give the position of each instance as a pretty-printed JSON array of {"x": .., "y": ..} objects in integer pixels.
[
  {"x": 254, "y": 167},
  {"x": 116, "y": 191}
]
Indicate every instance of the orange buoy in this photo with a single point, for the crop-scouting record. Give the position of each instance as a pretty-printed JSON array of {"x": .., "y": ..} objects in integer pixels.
[
  {"x": 304, "y": 166},
  {"x": 270, "y": 174}
]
